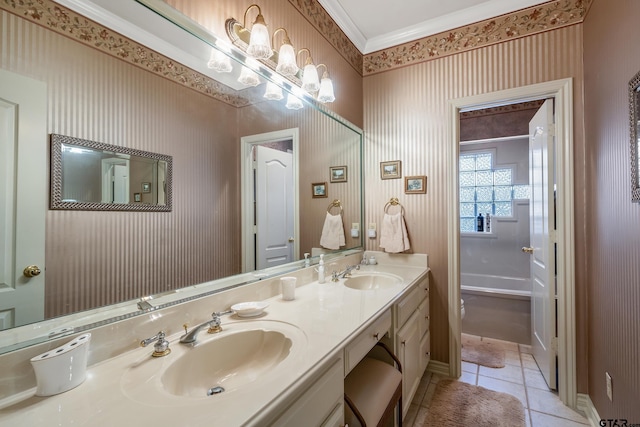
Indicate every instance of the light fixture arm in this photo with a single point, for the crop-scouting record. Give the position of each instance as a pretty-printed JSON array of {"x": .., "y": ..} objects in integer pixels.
[
  {"x": 259, "y": 18},
  {"x": 325, "y": 74},
  {"x": 309, "y": 58},
  {"x": 285, "y": 39}
]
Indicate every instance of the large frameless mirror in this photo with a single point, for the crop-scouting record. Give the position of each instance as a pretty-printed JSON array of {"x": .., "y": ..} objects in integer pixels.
[{"x": 147, "y": 261}]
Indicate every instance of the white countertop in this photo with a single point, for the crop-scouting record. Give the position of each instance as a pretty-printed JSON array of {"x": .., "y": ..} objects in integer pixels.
[{"x": 326, "y": 315}]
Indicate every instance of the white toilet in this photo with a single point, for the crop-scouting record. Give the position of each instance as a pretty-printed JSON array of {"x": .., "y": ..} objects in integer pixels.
[{"x": 461, "y": 308}]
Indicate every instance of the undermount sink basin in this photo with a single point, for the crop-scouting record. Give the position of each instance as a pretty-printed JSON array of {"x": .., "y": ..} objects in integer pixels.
[
  {"x": 244, "y": 357},
  {"x": 229, "y": 362},
  {"x": 370, "y": 281}
]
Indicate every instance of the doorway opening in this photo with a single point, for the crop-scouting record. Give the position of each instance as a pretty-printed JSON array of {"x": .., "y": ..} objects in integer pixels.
[
  {"x": 270, "y": 206},
  {"x": 561, "y": 93}
]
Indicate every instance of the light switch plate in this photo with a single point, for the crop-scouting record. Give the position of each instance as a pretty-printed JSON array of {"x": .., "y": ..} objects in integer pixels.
[{"x": 355, "y": 226}]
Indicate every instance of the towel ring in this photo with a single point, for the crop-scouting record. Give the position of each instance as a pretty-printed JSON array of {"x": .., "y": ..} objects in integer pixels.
[
  {"x": 335, "y": 204},
  {"x": 393, "y": 202}
]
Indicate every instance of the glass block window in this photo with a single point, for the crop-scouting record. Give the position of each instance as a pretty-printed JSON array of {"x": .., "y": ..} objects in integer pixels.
[{"x": 485, "y": 189}]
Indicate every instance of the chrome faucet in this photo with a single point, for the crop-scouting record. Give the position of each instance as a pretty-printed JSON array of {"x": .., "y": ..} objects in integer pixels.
[
  {"x": 335, "y": 276},
  {"x": 213, "y": 324},
  {"x": 161, "y": 347}
]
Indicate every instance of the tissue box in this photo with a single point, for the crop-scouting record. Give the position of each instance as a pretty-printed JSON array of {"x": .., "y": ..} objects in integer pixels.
[{"x": 62, "y": 368}]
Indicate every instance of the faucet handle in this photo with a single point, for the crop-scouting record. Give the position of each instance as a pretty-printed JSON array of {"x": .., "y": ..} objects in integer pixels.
[
  {"x": 214, "y": 324},
  {"x": 335, "y": 276},
  {"x": 161, "y": 347}
]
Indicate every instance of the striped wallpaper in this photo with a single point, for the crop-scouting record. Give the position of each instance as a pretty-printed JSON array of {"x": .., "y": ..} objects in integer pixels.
[{"x": 406, "y": 118}]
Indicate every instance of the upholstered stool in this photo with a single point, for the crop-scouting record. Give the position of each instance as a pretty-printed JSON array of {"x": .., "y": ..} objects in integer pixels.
[{"x": 371, "y": 391}]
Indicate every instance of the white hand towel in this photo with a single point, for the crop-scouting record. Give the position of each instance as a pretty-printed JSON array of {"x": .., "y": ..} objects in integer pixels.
[
  {"x": 332, "y": 232},
  {"x": 393, "y": 234}
]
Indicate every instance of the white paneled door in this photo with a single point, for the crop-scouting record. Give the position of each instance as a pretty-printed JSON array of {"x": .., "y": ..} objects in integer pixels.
[
  {"x": 23, "y": 199},
  {"x": 274, "y": 207},
  {"x": 542, "y": 246}
]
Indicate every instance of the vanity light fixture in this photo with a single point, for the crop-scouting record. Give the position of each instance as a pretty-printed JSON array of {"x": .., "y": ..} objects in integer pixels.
[
  {"x": 293, "y": 102},
  {"x": 325, "y": 94},
  {"x": 259, "y": 42},
  {"x": 219, "y": 61},
  {"x": 273, "y": 92},
  {"x": 248, "y": 77},
  {"x": 310, "y": 80},
  {"x": 284, "y": 60},
  {"x": 286, "y": 56}
]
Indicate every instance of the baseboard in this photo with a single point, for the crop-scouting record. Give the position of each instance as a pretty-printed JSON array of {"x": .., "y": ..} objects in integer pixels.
[
  {"x": 585, "y": 405},
  {"x": 439, "y": 368}
]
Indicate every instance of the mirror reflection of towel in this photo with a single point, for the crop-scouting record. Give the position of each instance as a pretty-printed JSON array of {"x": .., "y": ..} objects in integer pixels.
[
  {"x": 332, "y": 232},
  {"x": 393, "y": 234}
]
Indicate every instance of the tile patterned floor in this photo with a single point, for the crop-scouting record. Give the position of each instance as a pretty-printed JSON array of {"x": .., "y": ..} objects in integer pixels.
[{"x": 520, "y": 377}]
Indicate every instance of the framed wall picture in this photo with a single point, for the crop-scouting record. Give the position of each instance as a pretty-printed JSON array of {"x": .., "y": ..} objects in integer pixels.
[
  {"x": 146, "y": 187},
  {"x": 338, "y": 173},
  {"x": 319, "y": 189},
  {"x": 391, "y": 170},
  {"x": 415, "y": 184},
  {"x": 136, "y": 197}
]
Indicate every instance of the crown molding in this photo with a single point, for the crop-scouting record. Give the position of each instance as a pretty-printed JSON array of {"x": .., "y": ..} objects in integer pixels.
[
  {"x": 446, "y": 22},
  {"x": 346, "y": 24}
]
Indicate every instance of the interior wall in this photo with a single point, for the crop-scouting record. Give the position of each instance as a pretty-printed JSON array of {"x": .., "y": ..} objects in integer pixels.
[
  {"x": 612, "y": 58},
  {"x": 406, "y": 118}
]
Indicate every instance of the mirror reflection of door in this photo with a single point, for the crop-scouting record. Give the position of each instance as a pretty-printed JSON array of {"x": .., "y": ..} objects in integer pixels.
[
  {"x": 23, "y": 196},
  {"x": 274, "y": 215},
  {"x": 270, "y": 206},
  {"x": 115, "y": 180}
]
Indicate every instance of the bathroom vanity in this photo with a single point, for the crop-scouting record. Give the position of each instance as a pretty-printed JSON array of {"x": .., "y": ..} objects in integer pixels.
[{"x": 285, "y": 366}]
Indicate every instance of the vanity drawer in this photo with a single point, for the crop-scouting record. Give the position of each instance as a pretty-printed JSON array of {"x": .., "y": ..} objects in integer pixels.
[
  {"x": 424, "y": 286},
  {"x": 408, "y": 304},
  {"x": 360, "y": 346}
]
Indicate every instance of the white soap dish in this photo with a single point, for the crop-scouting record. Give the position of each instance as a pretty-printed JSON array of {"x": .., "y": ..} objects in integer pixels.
[
  {"x": 249, "y": 309},
  {"x": 62, "y": 368}
]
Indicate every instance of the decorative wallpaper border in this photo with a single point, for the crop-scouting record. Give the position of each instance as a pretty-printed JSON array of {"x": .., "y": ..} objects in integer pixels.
[
  {"x": 61, "y": 20},
  {"x": 536, "y": 19},
  {"x": 527, "y": 105},
  {"x": 322, "y": 21}
]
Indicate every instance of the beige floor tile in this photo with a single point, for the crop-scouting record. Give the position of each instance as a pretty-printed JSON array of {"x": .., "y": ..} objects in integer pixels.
[
  {"x": 471, "y": 337},
  {"x": 527, "y": 417},
  {"x": 547, "y": 402},
  {"x": 507, "y": 345},
  {"x": 508, "y": 373},
  {"x": 426, "y": 402},
  {"x": 469, "y": 367},
  {"x": 528, "y": 361},
  {"x": 533, "y": 378},
  {"x": 420, "y": 418},
  {"x": 544, "y": 420},
  {"x": 524, "y": 348},
  {"x": 469, "y": 378},
  {"x": 512, "y": 358},
  {"x": 411, "y": 415},
  {"x": 513, "y": 389}
]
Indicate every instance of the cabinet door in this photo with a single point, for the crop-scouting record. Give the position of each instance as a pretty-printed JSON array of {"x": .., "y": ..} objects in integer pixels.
[
  {"x": 408, "y": 351},
  {"x": 425, "y": 352}
]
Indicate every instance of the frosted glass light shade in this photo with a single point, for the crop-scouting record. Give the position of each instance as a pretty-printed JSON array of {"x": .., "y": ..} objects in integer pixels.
[
  {"x": 219, "y": 62},
  {"x": 310, "y": 80},
  {"x": 248, "y": 77},
  {"x": 293, "y": 102},
  {"x": 259, "y": 42},
  {"x": 326, "y": 90},
  {"x": 287, "y": 61},
  {"x": 273, "y": 92}
]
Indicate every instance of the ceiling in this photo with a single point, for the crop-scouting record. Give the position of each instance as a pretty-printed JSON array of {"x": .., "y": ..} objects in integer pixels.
[{"x": 378, "y": 24}]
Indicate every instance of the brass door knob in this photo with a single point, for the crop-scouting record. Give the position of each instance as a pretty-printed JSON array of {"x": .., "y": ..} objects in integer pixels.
[
  {"x": 291, "y": 239},
  {"x": 528, "y": 250},
  {"x": 31, "y": 271}
]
